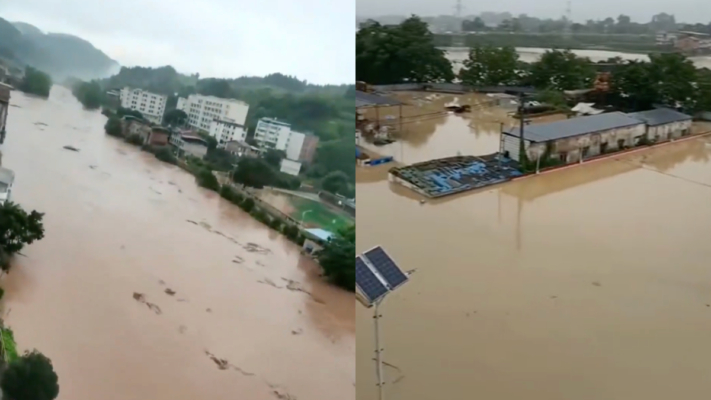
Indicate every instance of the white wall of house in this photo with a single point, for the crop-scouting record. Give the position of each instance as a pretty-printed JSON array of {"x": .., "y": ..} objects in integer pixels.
[
  {"x": 202, "y": 110},
  {"x": 272, "y": 134},
  {"x": 151, "y": 105},
  {"x": 294, "y": 145},
  {"x": 672, "y": 130},
  {"x": 290, "y": 167},
  {"x": 225, "y": 132}
]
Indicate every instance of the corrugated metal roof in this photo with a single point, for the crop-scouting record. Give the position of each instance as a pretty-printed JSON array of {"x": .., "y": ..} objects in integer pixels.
[
  {"x": 660, "y": 116},
  {"x": 319, "y": 233},
  {"x": 575, "y": 127},
  {"x": 364, "y": 99}
]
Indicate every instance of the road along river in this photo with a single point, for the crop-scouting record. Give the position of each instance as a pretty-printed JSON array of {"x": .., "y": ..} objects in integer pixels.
[
  {"x": 148, "y": 287},
  {"x": 591, "y": 282}
]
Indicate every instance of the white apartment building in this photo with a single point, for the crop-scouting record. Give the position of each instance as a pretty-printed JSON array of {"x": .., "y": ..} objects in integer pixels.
[
  {"x": 226, "y": 131},
  {"x": 151, "y": 105},
  {"x": 272, "y": 134},
  {"x": 294, "y": 145},
  {"x": 202, "y": 110}
]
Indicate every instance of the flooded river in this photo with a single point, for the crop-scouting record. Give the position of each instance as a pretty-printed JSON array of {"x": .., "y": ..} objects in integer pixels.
[
  {"x": 143, "y": 278},
  {"x": 531, "y": 54},
  {"x": 586, "y": 283}
]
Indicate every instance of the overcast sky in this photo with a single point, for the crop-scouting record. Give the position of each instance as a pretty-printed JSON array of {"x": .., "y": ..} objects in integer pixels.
[
  {"x": 640, "y": 10},
  {"x": 312, "y": 39}
]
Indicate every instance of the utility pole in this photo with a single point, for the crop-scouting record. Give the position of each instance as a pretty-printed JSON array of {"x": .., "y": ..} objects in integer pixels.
[
  {"x": 522, "y": 142},
  {"x": 458, "y": 7},
  {"x": 568, "y": 19}
]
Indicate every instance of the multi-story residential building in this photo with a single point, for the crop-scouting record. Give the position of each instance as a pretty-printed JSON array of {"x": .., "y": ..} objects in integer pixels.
[
  {"x": 151, "y": 105},
  {"x": 202, "y": 110},
  {"x": 4, "y": 107},
  {"x": 226, "y": 131},
  {"x": 273, "y": 134}
]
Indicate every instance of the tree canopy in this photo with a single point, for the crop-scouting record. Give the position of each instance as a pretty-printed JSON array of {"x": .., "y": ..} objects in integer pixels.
[
  {"x": 30, "y": 377},
  {"x": 338, "y": 258},
  {"x": 36, "y": 82},
  {"x": 562, "y": 70},
  {"x": 89, "y": 94},
  {"x": 491, "y": 66},
  {"x": 175, "y": 117},
  {"x": 400, "y": 53},
  {"x": 18, "y": 227}
]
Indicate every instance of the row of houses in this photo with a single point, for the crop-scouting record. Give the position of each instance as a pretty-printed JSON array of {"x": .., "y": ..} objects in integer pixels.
[
  {"x": 576, "y": 139},
  {"x": 223, "y": 119}
]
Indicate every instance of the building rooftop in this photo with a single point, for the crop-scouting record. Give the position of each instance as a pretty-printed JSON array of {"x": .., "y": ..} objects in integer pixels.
[
  {"x": 225, "y": 122},
  {"x": 575, "y": 127},
  {"x": 320, "y": 234},
  {"x": 7, "y": 176},
  {"x": 660, "y": 116},
  {"x": 274, "y": 121},
  {"x": 193, "y": 139},
  {"x": 364, "y": 99}
]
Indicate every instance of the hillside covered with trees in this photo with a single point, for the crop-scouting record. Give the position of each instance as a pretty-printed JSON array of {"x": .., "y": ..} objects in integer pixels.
[
  {"x": 59, "y": 55},
  {"x": 324, "y": 110}
]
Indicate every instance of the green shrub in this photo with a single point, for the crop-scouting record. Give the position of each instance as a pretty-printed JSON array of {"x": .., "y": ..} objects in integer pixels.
[
  {"x": 135, "y": 139},
  {"x": 276, "y": 223},
  {"x": 113, "y": 127},
  {"x": 290, "y": 231},
  {"x": 261, "y": 216},
  {"x": 2, "y": 293},
  {"x": 247, "y": 205},
  {"x": 207, "y": 179},
  {"x": 166, "y": 155}
]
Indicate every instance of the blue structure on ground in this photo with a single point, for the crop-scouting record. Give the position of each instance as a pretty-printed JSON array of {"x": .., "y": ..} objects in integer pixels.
[{"x": 452, "y": 175}]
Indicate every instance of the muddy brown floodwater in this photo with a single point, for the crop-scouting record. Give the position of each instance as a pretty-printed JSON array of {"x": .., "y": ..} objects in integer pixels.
[
  {"x": 592, "y": 282},
  {"x": 147, "y": 287}
]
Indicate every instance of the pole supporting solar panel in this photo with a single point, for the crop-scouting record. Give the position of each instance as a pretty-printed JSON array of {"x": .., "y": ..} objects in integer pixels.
[{"x": 377, "y": 275}]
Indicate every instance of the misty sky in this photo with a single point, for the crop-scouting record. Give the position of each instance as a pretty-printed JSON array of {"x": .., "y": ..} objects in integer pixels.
[
  {"x": 640, "y": 10},
  {"x": 312, "y": 39}
]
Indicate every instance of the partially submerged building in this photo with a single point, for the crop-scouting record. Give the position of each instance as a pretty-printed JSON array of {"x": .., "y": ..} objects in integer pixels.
[
  {"x": 4, "y": 107},
  {"x": 664, "y": 124},
  {"x": 188, "y": 144},
  {"x": 575, "y": 139},
  {"x": 7, "y": 178}
]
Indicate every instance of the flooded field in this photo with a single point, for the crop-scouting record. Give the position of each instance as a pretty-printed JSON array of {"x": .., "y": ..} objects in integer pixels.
[
  {"x": 148, "y": 287},
  {"x": 428, "y": 131},
  {"x": 586, "y": 283}
]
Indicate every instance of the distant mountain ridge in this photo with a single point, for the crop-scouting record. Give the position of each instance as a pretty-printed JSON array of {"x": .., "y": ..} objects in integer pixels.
[{"x": 61, "y": 55}]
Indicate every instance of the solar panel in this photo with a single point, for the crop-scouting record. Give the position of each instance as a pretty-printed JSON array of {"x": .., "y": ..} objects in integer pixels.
[
  {"x": 386, "y": 267},
  {"x": 369, "y": 284}
]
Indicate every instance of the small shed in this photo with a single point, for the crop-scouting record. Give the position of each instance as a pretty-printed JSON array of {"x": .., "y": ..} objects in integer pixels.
[
  {"x": 315, "y": 239},
  {"x": 664, "y": 123}
]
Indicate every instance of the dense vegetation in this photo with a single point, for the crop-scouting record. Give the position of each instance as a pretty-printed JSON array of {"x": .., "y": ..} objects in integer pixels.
[
  {"x": 90, "y": 94},
  {"x": 17, "y": 229},
  {"x": 59, "y": 54},
  {"x": 338, "y": 259},
  {"x": 36, "y": 82},
  {"x": 30, "y": 377},
  {"x": 668, "y": 78}
]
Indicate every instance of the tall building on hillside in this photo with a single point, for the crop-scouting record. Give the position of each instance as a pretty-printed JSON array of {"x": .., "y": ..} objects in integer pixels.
[
  {"x": 226, "y": 131},
  {"x": 151, "y": 105},
  {"x": 271, "y": 133},
  {"x": 202, "y": 110}
]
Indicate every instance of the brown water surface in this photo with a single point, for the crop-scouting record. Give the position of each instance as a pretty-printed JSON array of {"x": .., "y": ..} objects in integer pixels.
[
  {"x": 587, "y": 283},
  {"x": 121, "y": 229}
]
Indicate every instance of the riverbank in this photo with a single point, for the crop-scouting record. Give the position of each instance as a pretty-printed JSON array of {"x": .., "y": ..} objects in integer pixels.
[{"x": 624, "y": 43}]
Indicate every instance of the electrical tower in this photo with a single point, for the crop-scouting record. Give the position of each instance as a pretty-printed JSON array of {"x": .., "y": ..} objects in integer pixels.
[
  {"x": 567, "y": 32},
  {"x": 458, "y": 9}
]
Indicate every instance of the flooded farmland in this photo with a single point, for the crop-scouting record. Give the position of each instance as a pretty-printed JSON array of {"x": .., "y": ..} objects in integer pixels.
[
  {"x": 148, "y": 287},
  {"x": 586, "y": 283}
]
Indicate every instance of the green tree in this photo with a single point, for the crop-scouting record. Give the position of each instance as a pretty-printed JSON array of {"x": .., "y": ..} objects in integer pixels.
[
  {"x": 122, "y": 112},
  {"x": 337, "y": 258},
  {"x": 19, "y": 228},
  {"x": 113, "y": 127},
  {"x": 89, "y": 94},
  {"x": 30, "y": 377},
  {"x": 668, "y": 78},
  {"x": 175, "y": 117},
  {"x": 164, "y": 154},
  {"x": 207, "y": 179},
  {"x": 401, "y": 53},
  {"x": 491, "y": 66},
  {"x": 335, "y": 182},
  {"x": 562, "y": 70},
  {"x": 273, "y": 157},
  {"x": 254, "y": 172},
  {"x": 36, "y": 82}
]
